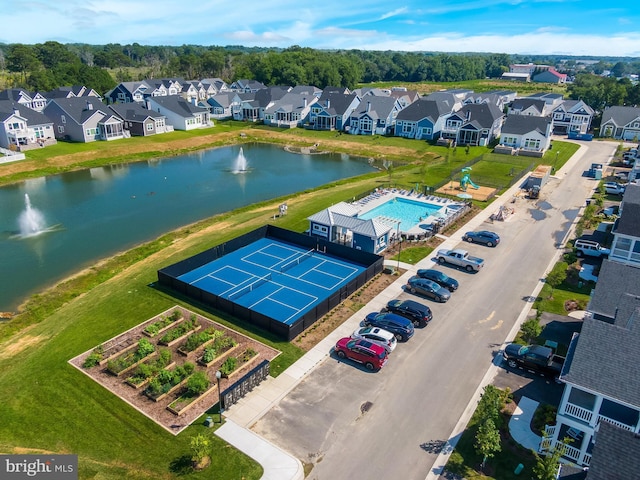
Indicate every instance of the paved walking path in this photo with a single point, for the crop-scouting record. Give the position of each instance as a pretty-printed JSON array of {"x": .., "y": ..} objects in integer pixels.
[{"x": 520, "y": 424}]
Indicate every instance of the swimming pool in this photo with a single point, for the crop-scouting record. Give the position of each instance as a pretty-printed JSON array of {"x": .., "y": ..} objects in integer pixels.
[{"x": 409, "y": 212}]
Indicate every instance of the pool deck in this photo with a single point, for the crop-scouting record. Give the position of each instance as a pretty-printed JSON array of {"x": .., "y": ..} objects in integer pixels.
[{"x": 383, "y": 195}]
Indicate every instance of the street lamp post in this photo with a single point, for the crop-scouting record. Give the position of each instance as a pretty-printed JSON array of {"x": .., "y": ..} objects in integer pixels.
[
  {"x": 218, "y": 377},
  {"x": 399, "y": 242}
]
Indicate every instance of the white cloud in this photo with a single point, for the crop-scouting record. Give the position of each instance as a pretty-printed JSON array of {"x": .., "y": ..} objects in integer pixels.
[{"x": 397, "y": 11}]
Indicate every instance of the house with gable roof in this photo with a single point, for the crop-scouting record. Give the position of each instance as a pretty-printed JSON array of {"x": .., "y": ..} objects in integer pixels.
[
  {"x": 180, "y": 114},
  {"x": 140, "y": 121},
  {"x": 83, "y": 119},
  {"x": 616, "y": 454},
  {"x": 572, "y": 116},
  {"x": 621, "y": 123},
  {"x": 253, "y": 104},
  {"x": 500, "y": 98},
  {"x": 528, "y": 106},
  {"x": 526, "y": 134},
  {"x": 22, "y": 128},
  {"x": 332, "y": 110},
  {"x": 455, "y": 97},
  {"x": 289, "y": 111},
  {"x": 128, "y": 92},
  {"x": 404, "y": 96},
  {"x": 34, "y": 101},
  {"x": 340, "y": 224},
  {"x": 625, "y": 247},
  {"x": 474, "y": 124},
  {"x": 222, "y": 104},
  {"x": 72, "y": 91},
  {"x": 374, "y": 116},
  {"x": 218, "y": 84},
  {"x": 422, "y": 120},
  {"x": 550, "y": 76},
  {"x": 247, "y": 86}
]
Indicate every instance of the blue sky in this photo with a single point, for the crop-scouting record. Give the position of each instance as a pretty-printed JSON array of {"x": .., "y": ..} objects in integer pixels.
[{"x": 562, "y": 27}]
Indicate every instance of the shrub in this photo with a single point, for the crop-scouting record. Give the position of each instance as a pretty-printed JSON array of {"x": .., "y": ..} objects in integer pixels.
[
  {"x": 248, "y": 354},
  {"x": 229, "y": 365},
  {"x": 92, "y": 360},
  {"x": 197, "y": 384}
]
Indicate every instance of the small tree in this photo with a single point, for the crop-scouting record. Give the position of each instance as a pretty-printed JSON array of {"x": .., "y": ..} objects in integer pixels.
[
  {"x": 487, "y": 440},
  {"x": 200, "y": 449},
  {"x": 546, "y": 467},
  {"x": 531, "y": 329},
  {"x": 556, "y": 276}
]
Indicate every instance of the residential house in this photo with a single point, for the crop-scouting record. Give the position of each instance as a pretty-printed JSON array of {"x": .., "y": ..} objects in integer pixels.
[
  {"x": 550, "y": 76},
  {"x": 454, "y": 97},
  {"x": 180, "y": 114},
  {"x": 247, "y": 86},
  {"x": 374, "y": 116},
  {"x": 70, "y": 92},
  {"x": 34, "y": 101},
  {"x": 83, "y": 119},
  {"x": 496, "y": 99},
  {"x": 140, "y": 121},
  {"x": 332, "y": 110},
  {"x": 374, "y": 92},
  {"x": 222, "y": 104},
  {"x": 525, "y": 135},
  {"x": 601, "y": 382},
  {"x": 129, "y": 92},
  {"x": 616, "y": 454},
  {"x": 528, "y": 68},
  {"x": 253, "y": 104},
  {"x": 340, "y": 224},
  {"x": 551, "y": 99},
  {"x": 475, "y": 124},
  {"x": 626, "y": 229},
  {"x": 217, "y": 83},
  {"x": 164, "y": 87},
  {"x": 22, "y": 128},
  {"x": 405, "y": 97},
  {"x": 290, "y": 111},
  {"x": 528, "y": 106},
  {"x": 423, "y": 119},
  {"x": 621, "y": 123},
  {"x": 306, "y": 90},
  {"x": 572, "y": 116}
]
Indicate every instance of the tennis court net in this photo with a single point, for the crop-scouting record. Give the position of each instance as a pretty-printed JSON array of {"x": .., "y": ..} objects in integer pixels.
[
  {"x": 250, "y": 287},
  {"x": 296, "y": 261}
]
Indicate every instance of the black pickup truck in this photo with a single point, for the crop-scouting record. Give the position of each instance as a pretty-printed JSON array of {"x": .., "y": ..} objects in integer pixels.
[{"x": 533, "y": 357}]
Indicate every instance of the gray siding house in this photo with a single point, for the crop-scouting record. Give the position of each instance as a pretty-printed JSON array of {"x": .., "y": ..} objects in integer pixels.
[
  {"x": 422, "y": 120},
  {"x": 83, "y": 119},
  {"x": 140, "y": 121}
]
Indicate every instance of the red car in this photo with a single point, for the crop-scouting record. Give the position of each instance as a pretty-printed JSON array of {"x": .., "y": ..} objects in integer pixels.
[{"x": 372, "y": 356}]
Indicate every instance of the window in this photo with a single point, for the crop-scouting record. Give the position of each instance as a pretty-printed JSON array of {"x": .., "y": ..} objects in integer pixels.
[
  {"x": 407, "y": 127},
  {"x": 635, "y": 253},
  {"x": 150, "y": 126},
  {"x": 621, "y": 247},
  {"x": 532, "y": 143},
  {"x": 63, "y": 119},
  {"x": 426, "y": 131}
]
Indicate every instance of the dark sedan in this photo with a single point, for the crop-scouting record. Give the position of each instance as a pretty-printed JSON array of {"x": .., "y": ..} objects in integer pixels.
[
  {"x": 440, "y": 278},
  {"x": 490, "y": 239},
  {"x": 428, "y": 288}
]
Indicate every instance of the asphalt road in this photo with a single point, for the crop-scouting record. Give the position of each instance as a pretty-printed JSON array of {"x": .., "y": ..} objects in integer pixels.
[{"x": 354, "y": 424}]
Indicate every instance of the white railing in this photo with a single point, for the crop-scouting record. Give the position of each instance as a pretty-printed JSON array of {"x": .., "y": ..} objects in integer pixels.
[
  {"x": 578, "y": 412},
  {"x": 586, "y": 460},
  {"x": 571, "y": 452},
  {"x": 616, "y": 423}
]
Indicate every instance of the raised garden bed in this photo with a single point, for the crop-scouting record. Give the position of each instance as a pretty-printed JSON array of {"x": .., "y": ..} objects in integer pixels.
[
  {"x": 198, "y": 386},
  {"x": 168, "y": 381},
  {"x": 149, "y": 369},
  {"x": 221, "y": 346},
  {"x": 165, "y": 323},
  {"x": 199, "y": 340},
  {"x": 233, "y": 365},
  {"x": 127, "y": 361},
  {"x": 178, "y": 333}
]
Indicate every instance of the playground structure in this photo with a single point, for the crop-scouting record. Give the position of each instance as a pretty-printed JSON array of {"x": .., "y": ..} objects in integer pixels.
[{"x": 465, "y": 180}]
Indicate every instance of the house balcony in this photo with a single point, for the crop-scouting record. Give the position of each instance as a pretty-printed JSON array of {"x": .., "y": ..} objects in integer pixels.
[
  {"x": 577, "y": 412},
  {"x": 570, "y": 453}
]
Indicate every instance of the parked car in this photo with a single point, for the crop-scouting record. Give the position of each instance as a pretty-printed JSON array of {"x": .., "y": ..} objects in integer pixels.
[
  {"x": 490, "y": 239},
  {"x": 417, "y": 312},
  {"x": 590, "y": 248},
  {"x": 439, "y": 277},
  {"x": 376, "y": 335},
  {"x": 614, "y": 188},
  {"x": 428, "y": 288},
  {"x": 533, "y": 357},
  {"x": 372, "y": 356},
  {"x": 400, "y": 326}
]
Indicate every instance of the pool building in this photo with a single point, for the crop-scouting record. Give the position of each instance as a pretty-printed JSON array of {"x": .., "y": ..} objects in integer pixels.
[{"x": 373, "y": 223}]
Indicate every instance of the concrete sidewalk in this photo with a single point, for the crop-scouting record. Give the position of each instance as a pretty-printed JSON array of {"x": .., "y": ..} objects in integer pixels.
[{"x": 520, "y": 424}]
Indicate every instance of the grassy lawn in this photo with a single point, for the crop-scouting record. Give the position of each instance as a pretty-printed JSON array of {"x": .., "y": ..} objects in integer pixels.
[
  {"x": 46, "y": 405},
  {"x": 553, "y": 301},
  {"x": 413, "y": 255}
]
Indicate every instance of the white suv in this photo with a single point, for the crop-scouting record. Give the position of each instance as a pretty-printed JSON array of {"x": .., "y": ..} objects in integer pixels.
[
  {"x": 376, "y": 335},
  {"x": 590, "y": 249},
  {"x": 614, "y": 188}
]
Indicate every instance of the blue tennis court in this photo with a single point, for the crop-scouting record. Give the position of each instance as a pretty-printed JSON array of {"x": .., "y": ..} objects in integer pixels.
[{"x": 277, "y": 279}]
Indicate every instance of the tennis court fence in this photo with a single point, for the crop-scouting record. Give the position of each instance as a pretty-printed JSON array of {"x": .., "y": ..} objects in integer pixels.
[
  {"x": 250, "y": 287},
  {"x": 296, "y": 261}
]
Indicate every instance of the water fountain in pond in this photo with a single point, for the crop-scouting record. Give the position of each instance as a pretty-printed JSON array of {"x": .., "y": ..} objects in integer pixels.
[
  {"x": 240, "y": 165},
  {"x": 31, "y": 220}
]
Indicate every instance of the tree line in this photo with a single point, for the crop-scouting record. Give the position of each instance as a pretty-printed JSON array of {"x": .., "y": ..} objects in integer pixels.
[{"x": 46, "y": 66}]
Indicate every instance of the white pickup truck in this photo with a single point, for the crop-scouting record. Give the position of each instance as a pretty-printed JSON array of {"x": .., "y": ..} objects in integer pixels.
[{"x": 460, "y": 258}]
